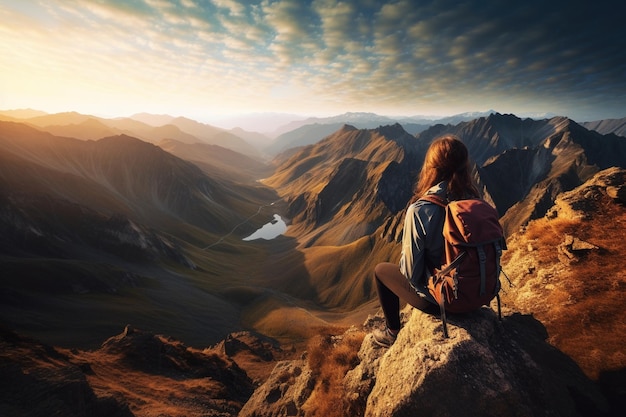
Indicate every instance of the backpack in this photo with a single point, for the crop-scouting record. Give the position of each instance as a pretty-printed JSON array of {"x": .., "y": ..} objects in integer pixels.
[{"x": 473, "y": 243}]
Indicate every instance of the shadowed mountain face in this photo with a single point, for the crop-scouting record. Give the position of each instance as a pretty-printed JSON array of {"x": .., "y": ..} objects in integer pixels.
[
  {"x": 119, "y": 221},
  {"x": 342, "y": 188},
  {"x": 118, "y": 174},
  {"x": 524, "y": 182}
]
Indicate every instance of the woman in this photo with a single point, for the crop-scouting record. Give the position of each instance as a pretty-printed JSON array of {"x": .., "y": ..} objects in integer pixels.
[{"x": 446, "y": 173}]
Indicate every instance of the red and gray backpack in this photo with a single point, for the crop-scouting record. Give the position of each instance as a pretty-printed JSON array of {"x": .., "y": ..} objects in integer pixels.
[{"x": 469, "y": 276}]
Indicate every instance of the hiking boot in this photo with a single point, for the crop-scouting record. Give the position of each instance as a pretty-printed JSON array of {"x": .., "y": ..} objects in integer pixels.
[{"x": 384, "y": 338}]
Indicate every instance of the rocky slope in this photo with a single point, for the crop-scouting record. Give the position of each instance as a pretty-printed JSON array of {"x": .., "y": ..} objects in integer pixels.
[
  {"x": 135, "y": 373},
  {"x": 352, "y": 177},
  {"x": 39, "y": 380}
]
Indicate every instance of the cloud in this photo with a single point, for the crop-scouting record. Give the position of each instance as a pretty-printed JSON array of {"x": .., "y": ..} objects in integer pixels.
[{"x": 346, "y": 55}]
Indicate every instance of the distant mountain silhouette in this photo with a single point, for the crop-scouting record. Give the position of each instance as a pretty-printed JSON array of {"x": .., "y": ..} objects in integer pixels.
[
  {"x": 149, "y": 128},
  {"x": 301, "y": 136},
  {"x": 311, "y": 130},
  {"x": 365, "y": 120},
  {"x": 22, "y": 113},
  {"x": 89, "y": 129},
  {"x": 59, "y": 119},
  {"x": 155, "y": 120},
  {"x": 606, "y": 126},
  {"x": 217, "y": 161}
]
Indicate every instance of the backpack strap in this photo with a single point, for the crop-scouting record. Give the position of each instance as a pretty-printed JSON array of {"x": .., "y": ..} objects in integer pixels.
[
  {"x": 482, "y": 259},
  {"x": 482, "y": 256},
  {"x": 435, "y": 199}
]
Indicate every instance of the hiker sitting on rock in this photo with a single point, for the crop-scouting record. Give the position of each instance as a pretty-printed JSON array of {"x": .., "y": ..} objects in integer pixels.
[{"x": 445, "y": 173}]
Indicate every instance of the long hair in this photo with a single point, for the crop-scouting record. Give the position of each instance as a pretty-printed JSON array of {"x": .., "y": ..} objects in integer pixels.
[{"x": 447, "y": 159}]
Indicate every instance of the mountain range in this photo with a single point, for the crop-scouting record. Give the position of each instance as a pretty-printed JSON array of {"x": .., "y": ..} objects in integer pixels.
[
  {"x": 291, "y": 131},
  {"x": 110, "y": 222}
]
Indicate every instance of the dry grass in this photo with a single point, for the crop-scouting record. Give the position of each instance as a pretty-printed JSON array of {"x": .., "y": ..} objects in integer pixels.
[
  {"x": 582, "y": 304},
  {"x": 551, "y": 231},
  {"x": 330, "y": 357}
]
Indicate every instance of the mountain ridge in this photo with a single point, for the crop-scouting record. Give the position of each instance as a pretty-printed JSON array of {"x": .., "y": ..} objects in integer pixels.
[{"x": 128, "y": 168}]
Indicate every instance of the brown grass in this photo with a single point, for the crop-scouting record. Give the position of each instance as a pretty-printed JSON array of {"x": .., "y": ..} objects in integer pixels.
[
  {"x": 330, "y": 357},
  {"x": 584, "y": 311}
]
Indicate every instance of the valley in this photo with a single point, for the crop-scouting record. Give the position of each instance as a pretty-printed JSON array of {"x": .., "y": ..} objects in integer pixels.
[{"x": 144, "y": 227}]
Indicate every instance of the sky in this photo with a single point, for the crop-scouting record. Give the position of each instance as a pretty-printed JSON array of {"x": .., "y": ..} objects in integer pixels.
[{"x": 209, "y": 59}]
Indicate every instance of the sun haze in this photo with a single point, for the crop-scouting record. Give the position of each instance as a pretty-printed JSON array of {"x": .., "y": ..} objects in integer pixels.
[{"x": 206, "y": 59}]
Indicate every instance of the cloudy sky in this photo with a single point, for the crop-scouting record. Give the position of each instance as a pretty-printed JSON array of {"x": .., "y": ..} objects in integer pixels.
[{"x": 208, "y": 58}]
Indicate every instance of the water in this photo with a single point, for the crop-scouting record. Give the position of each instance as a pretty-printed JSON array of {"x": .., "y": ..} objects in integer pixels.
[{"x": 269, "y": 230}]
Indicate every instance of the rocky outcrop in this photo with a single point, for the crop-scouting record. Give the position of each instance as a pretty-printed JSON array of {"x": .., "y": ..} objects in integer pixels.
[
  {"x": 135, "y": 373},
  {"x": 284, "y": 394},
  {"x": 39, "y": 380},
  {"x": 486, "y": 367},
  {"x": 154, "y": 354},
  {"x": 572, "y": 249},
  {"x": 567, "y": 272},
  {"x": 584, "y": 201}
]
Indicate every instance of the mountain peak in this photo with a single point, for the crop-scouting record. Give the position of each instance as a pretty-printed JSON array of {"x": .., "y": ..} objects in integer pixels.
[
  {"x": 391, "y": 131},
  {"x": 23, "y": 113},
  {"x": 153, "y": 119},
  {"x": 346, "y": 128}
]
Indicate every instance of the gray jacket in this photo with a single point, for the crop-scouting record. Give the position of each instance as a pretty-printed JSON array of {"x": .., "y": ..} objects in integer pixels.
[{"x": 422, "y": 240}]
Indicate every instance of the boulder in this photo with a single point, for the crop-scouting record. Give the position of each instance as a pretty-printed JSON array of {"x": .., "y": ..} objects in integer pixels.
[
  {"x": 486, "y": 367},
  {"x": 284, "y": 393}
]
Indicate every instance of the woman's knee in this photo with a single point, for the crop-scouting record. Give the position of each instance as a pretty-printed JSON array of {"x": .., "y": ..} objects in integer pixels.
[{"x": 383, "y": 269}]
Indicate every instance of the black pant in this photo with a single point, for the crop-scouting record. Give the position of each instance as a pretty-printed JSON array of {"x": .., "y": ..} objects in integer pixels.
[{"x": 393, "y": 286}]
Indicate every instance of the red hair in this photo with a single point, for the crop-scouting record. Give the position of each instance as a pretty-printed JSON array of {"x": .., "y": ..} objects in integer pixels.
[{"x": 447, "y": 159}]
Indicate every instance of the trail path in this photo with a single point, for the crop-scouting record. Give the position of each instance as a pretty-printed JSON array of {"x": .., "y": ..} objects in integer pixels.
[{"x": 221, "y": 239}]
